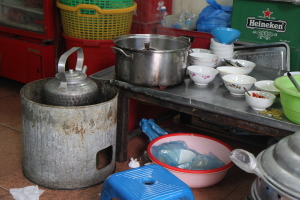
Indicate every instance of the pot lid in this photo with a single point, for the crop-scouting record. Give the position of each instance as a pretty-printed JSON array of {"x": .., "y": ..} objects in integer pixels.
[
  {"x": 152, "y": 43},
  {"x": 280, "y": 164}
]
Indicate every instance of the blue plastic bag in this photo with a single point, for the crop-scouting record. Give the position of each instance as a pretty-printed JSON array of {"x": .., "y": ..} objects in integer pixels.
[
  {"x": 214, "y": 15},
  {"x": 151, "y": 129},
  {"x": 170, "y": 154}
]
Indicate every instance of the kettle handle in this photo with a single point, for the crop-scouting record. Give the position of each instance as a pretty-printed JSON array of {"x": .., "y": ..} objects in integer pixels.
[{"x": 64, "y": 57}]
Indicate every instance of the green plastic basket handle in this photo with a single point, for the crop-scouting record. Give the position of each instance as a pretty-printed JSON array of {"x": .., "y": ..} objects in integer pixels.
[{"x": 96, "y": 8}]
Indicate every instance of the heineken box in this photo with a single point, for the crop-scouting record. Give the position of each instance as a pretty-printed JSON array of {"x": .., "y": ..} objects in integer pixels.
[{"x": 267, "y": 22}]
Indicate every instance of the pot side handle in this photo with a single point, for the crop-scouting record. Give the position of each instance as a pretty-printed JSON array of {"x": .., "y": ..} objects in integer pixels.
[
  {"x": 116, "y": 50},
  {"x": 246, "y": 161},
  {"x": 188, "y": 38}
]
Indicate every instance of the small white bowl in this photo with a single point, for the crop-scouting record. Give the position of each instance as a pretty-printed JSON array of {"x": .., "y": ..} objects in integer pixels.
[
  {"x": 202, "y": 75},
  {"x": 260, "y": 103},
  {"x": 216, "y": 44},
  {"x": 203, "y": 63},
  {"x": 248, "y": 65},
  {"x": 221, "y": 50},
  {"x": 207, "y": 57},
  {"x": 225, "y": 54},
  {"x": 198, "y": 50},
  {"x": 224, "y": 70},
  {"x": 267, "y": 86},
  {"x": 235, "y": 83}
]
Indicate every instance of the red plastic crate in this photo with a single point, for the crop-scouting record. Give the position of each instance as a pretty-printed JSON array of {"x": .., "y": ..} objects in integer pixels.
[
  {"x": 140, "y": 28},
  {"x": 97, "y": 53},
  {"x": 148, "y": 10},
  {"x": 199, "y": 39}
]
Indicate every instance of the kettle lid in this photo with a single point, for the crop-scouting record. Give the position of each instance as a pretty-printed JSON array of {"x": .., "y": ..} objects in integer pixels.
[{"x": 72, "y": 76}]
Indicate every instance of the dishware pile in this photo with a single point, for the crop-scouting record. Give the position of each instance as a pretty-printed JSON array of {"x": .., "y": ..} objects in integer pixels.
[
  {"x": 203, "y": 59},
  {"x": 259, "y": 100},
  {"x": 221, "y": 50},
  {"x": 224, "y": 70},
  {"x": 236, "y": 83},
  {"x": 222, "y": 43},
  {"x": 244, "y": 64},
  {"x": 267, "y": 86},
  {"x": 202, "y": 75}
]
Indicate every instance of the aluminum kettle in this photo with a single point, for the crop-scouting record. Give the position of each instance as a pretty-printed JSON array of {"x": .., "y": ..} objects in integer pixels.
[{"x": 73, "y": 87}]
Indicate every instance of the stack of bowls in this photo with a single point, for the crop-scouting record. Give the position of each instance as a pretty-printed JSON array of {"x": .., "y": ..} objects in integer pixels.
[
  {"x": 203, "y": 59},
  {"x": 221, "y": 50}
]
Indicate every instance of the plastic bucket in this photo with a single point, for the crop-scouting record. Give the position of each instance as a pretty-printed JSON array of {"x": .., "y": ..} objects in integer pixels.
[
  {"x": 97, "y": 53},
  {"x": 289, "y": 97}
]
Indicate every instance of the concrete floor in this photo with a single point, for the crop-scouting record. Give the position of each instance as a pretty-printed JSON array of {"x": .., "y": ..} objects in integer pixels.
[{"x": 235, "y": 186}]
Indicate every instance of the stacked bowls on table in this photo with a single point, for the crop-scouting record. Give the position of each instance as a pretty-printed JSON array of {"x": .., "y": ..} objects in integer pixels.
[
  {"x": 203, "y": 59},
  {"x": 221, "y": 50},
  {"x": 222, "y": 45}
]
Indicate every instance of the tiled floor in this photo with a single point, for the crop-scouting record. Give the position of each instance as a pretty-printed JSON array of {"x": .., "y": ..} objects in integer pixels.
[{"x": 235, "y": 186}]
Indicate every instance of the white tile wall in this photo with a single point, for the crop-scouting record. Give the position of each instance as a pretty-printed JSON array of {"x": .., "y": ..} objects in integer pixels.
[{"x": 195, "y": 6}]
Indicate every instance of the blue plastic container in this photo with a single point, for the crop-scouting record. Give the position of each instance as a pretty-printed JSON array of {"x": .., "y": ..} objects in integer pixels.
[{"x": 225, "y": 35}]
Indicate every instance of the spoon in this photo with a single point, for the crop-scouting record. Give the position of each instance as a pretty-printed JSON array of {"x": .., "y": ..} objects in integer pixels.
[
  {"x": 229, "y": 62},
  {"x": 239, "y": 64},
  {"x": 247, "y": 91},
  {"x": 293, "y": 81}
]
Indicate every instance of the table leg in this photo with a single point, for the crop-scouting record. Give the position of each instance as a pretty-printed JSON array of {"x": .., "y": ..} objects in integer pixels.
[
  {"x": 122, "y": 127},
  {"x": 185, "y": 118}
]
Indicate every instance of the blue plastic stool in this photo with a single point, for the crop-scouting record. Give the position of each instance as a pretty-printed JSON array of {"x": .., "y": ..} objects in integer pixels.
[{"x": 147, "y": 182}]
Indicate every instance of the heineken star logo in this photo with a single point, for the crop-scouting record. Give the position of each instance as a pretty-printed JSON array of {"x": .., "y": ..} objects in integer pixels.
[{"x": 267, "y": 13}]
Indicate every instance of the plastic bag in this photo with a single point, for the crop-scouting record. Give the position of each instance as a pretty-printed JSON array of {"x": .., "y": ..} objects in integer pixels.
[
  {"x": 214, "y": 15},
  {"x": 151, "y": 129},
  {"x": 177, "y": 154}
]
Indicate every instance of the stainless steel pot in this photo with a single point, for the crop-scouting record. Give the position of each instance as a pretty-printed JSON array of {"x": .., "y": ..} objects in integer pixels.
[
  {"x": 277, "y": 168},
  {"x": 151, "y": 60},
  {"x": 71, "y": 88}
]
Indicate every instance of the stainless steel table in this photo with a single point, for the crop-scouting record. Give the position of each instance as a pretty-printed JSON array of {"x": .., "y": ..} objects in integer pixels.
[{"x": 212, "y": 102}]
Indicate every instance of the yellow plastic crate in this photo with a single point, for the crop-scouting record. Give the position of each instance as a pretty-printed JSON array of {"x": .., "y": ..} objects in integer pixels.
[{"x": 86, "y": 21}]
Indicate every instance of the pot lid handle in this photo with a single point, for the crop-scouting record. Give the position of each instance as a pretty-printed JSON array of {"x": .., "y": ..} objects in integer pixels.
[{"x": 246, "y": 161}]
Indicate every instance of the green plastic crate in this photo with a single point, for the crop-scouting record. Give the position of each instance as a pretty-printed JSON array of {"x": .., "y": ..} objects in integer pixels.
[{"x": 268, "y": 22}]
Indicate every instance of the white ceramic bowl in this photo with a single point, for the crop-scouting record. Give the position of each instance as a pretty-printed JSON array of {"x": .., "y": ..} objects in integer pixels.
[
  {"x": 260, "y": 103},
  {"x": 203, "y": 63},
  {"x": 221, "y": 50},
  {"x": 216, "y": 44},
  {"x": 235, "y": 83},
  {"x": 207, "y": 57},
  {"x": 225, "y": 54},
  {"x": 198, "y": 50},
  {"x": 203, "y": 145},
  {"x": 267, "y": 86},
  {"x": 248, "y": 65},
  {"x": 224, "y": 70},
  {"x": 202, "y": 75}
]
